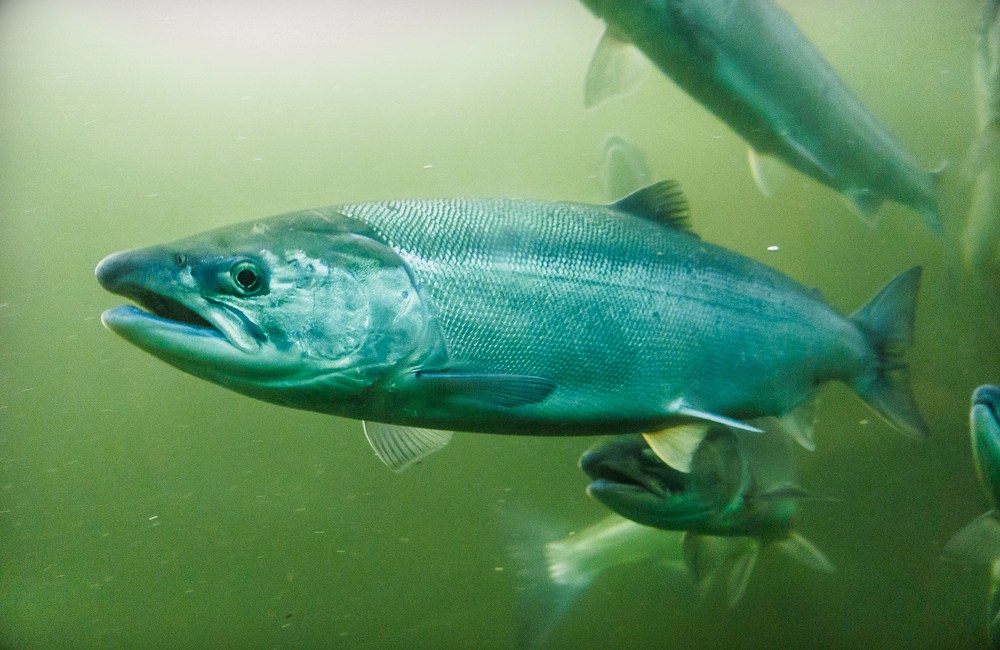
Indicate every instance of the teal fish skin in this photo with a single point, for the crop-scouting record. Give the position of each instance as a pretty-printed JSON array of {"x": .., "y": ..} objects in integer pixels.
[
  {"x": 747, "y": 62},
  {"x": 504, "y": 316}
]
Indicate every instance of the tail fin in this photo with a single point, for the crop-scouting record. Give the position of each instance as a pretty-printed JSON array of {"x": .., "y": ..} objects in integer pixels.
[
  {"x": 553, "y": 568},
  {"x": 887, "y": 320},
  {"x": 543, "y": 599}
]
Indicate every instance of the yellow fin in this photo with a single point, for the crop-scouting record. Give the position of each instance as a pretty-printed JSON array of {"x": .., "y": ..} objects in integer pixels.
[{"x": 676, "y": 446}]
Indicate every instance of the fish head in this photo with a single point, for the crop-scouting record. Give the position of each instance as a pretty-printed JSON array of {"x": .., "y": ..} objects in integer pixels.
[
  {"x": 984, "y": 427},
  {"x": 306, "y": 309},
  {"x": 723, "y": 494},
  {"x": 629, "y": 479}
]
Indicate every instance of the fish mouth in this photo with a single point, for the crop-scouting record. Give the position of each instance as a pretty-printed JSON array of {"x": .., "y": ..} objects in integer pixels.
[
  {"x": 168, "y": 309},
  {"x": 162, "y": 322},
  {"x": 630, "y": 467}
]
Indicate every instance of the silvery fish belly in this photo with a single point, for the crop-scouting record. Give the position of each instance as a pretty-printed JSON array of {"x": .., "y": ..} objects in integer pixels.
[{"x": 504, "y": 316}]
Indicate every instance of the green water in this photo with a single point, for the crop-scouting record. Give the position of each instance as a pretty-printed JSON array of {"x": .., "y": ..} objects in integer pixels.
[{"x": 140, "y": 507}]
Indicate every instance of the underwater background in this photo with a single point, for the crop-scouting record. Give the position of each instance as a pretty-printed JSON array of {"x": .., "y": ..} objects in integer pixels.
[{"x": 141, "y": 507}]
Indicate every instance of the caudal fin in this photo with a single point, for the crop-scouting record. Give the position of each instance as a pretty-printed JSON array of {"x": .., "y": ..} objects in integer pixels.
[{"x": 887, "y": 319}]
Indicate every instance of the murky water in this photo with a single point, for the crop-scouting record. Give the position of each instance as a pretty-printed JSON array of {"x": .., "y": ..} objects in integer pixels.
[{"x": 140, "y": 507}]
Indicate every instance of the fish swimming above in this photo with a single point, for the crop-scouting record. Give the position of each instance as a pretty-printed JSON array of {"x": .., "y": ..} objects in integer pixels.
[
  {"x": 424, "y": 317},
  {"x": 738, "y": 498},
  {"x": 747, "y": 62}
]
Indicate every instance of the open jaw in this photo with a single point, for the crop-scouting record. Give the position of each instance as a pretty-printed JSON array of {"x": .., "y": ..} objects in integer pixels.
[{"x": 171, "y": 329}]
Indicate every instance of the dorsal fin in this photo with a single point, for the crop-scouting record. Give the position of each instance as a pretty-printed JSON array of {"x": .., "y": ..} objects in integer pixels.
[{"x": 663, "y": 203}]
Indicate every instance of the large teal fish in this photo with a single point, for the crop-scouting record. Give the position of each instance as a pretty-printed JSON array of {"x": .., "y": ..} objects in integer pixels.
[
  {"x": 979, "y": 541},
  {"x": 506, "y": 316},
  {"x": 746, "y": 61},
  {"x": 740, "y": 485}
]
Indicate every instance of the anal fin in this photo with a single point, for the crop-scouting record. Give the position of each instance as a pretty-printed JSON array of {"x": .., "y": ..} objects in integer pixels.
[{"x": 804, "y": 552}]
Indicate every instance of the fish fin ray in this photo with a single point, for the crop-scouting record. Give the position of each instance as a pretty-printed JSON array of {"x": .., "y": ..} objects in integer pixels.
[
  {"x": 616, "y": 69},
  {"x": 676, "y": 446},
  {"x": 399, "y": 446},
  {"x": 887, "y": 320},
  {"x": 978, "y": 542},
  {"x": 507, "y": 391},
  {"x": 717, "y": 419},
  {"x": 800, "y": 423},
  {"x": 546, "y": 595},
  {"x": 662, "y": 203},
  {"x": 805, "y": 552}
]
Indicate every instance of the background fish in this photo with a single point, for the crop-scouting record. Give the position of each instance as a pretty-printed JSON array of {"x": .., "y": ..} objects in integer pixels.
[
  {"x": 979, "y": 541},
  {"x": 981, "y": 236},
  {"x": 748, "y": 63},
  {"x": 507, "y": 316},
  {"x": 739, "y": 486}
]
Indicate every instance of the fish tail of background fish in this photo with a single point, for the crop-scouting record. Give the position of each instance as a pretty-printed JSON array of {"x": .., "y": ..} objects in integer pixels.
[
  {"x": 887, "y": 320},
  {"x": 554, "y": 569}
]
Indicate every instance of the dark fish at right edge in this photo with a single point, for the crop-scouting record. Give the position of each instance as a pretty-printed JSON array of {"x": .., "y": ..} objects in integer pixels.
[
  {"x": 979, "y": 541},
  {"x": 746, "y": 62}
]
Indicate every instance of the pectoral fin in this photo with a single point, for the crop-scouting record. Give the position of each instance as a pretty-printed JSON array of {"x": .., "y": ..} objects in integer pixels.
[
  {"x": 616, "y": 69},
  {"x": 676, "y": 446},
  {"x": 496, "y": 390},
  {"x": 399, "y": 447}
]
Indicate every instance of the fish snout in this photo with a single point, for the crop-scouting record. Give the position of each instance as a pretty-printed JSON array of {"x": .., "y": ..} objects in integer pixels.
[
  {"x": 114, "y": 269},
  {"x": 987, "y": 395}
]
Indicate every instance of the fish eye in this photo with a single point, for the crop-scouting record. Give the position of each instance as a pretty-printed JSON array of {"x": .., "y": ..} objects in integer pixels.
[{"x": 248, "y": 277}]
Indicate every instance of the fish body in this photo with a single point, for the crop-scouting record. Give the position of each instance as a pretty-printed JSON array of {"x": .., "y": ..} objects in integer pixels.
[
  {"x": 736, "y": 485},
  {"x": 505, "y": 316},
  {"x": 740, "y": 485},
  {"x": 979, "y": 541},
  {"x": 747, "y": 62},
  {"x": 981, "y": 237}
]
